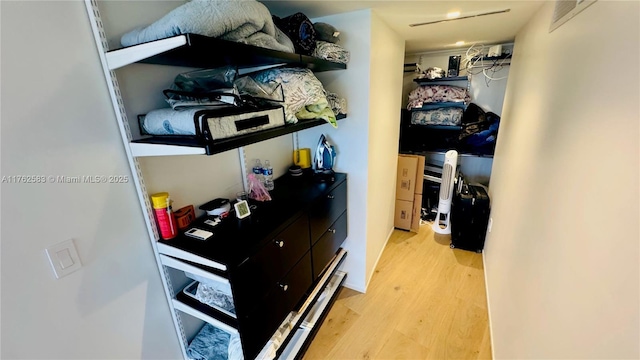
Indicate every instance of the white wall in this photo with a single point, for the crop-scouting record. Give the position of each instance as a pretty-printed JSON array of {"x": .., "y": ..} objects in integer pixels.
[
  {"x": 57, "y": 120},
  {"x": 387, "y": 56},
  {"x": 367, "y": 140},
  {"x": 351, "y": 138},
  {"x": 562, "y": 259}
]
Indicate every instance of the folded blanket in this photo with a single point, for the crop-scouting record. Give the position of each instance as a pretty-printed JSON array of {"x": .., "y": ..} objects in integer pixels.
[
  {"x": 170, "y": 122},
  {"x": 301, "y": 88},
  {"x": 211, "y": 296},
  {"x": 207, "y": 87},
  {"x": 437, "y": 93},
  {"x": 337, "y": 104},
  {"x": 441, "y": 116},
  {"x": 246, "y": 21},
  {"x": 211, "y": 343},
  {"x": 332, "y": 52},
  {"x": 300, "y": 30},
  {"x": 235, "y": 348}
]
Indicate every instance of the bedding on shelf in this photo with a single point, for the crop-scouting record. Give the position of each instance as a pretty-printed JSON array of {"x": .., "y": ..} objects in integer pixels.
[
  {"x": 437, "y": 94},
  {"x": 212, "y": 343},
  {"x": 212, "y": 296},
  {"x": 332, "y": 52},
  {"x": 222, "y": 122},
  {"x": 338, "y": 104},
  {"x": 245, "y": 21},
  {"x": 302, "y": 92},
  {"x": 207, "y": 87},
  {"x": 218, "y": 87},
  {"x": 440, "y": 116},
  {"x": 227, "y": 106},
  {"x": 300, "y": 31}
]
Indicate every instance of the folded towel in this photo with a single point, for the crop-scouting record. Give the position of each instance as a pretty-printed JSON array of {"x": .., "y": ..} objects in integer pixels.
[
  {"x": 170, "y": 122},
  {"x": 437, "y": 93},
  {"x": 245, "y": 21},
  {"x": 300, "y": 30},
  {"x": 440, "y": 116},
  {"x": 212, "y": 296},
  {"x": 337, "y": 104},
  {"x": 332, "y": 52},
  {"x": 235, "y": 348},
  {"x": 211, "y": 343}
]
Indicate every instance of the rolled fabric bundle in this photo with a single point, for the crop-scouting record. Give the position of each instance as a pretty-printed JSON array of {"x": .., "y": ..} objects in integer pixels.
[
  {"x": 338, "y": 104},
  {"x": 332, "y": 52},
  {"x": 300, "y": 30}
]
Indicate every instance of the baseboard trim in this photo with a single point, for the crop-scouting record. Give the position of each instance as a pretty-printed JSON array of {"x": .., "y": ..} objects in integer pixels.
[
  {"x": 378, "y": 259},
  {"x": 353, "y": 287},
  {"x": 486, "y": 291}
]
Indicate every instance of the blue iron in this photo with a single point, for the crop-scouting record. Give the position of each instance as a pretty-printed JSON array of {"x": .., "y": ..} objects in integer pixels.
[{"x": 324, "y": 158}]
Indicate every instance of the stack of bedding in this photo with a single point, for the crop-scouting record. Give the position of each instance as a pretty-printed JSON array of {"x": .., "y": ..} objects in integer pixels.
[
  {"x": 245, "y": 21},
  {"x": 220, "y": 92},
  {"x": 327, "y": 47},
  {"x": 437, "y": 105}
]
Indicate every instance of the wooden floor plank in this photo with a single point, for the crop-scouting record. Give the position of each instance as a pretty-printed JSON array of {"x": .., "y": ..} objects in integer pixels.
[{"x": 424, "y": 301}]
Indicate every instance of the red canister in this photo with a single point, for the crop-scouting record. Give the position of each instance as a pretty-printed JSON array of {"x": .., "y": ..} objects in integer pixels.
[{"x": 164, "y": 216}]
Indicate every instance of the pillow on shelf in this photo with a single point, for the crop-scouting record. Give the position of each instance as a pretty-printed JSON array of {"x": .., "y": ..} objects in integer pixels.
[{"x": 302, "y": 91}]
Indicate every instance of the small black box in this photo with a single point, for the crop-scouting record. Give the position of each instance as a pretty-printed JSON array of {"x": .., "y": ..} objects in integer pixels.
[{"x": 454, "y": 65}]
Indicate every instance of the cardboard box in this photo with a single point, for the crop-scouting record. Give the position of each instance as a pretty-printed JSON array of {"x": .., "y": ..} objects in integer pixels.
[
  {"x": 419, "y": 174},
  {"x": 417, "y": 213},
  {"x": 403, "y": 214},
  {"x": 410, "y": 176}
]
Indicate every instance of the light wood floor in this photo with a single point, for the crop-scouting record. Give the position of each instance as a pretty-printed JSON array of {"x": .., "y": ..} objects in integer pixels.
[{"x": 425, "y": 301}]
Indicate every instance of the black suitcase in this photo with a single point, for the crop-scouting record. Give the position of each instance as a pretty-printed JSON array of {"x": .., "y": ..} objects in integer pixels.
[{"x": 469, "y": 218}]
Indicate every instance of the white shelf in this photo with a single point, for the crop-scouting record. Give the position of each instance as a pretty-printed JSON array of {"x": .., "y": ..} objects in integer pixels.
[
  {"x": 142, "y": 150},
  {"x": 177, "y": 264},
  {"x": 178, "y": 305},
  {"x": 129, "y": 55},
  {"x": 185, "y": 255}
]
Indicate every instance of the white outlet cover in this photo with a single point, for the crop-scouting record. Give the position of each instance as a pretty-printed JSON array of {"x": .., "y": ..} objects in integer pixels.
[{"x": 63, "y": 258}]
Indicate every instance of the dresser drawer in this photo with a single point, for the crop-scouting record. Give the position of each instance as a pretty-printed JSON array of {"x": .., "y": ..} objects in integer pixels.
[
  {"x": 258, "y": 327},
  {"x": 276, "y": 258},
  {"x": 329, "y": 243},
  {"x": 325, "y": 211}
]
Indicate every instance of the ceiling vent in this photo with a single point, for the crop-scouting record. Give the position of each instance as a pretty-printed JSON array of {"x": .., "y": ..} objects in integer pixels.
[
  {"x": 461, "y": 17},
  {"x": 565, "y": 10}
]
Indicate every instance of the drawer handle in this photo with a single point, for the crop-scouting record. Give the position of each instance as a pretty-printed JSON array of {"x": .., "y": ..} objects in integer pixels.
[
  {"x": 284, "y": 287},
  {"x": 279, "y": 242},
  {"x": 333, "y": 231},
  {"x": 330, "y": 196}
]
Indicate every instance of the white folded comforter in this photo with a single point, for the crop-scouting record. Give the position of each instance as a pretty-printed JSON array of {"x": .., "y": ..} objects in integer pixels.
[{"x": 246, "y": 21}]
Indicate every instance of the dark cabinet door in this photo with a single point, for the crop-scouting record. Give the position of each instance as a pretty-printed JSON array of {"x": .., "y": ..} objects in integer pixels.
[
  {"x": 326, "y": 210},
  {"x": 269, "y": 313},
  {"x": 256, "y": 276},
  {"x": 329, "y": 243}
]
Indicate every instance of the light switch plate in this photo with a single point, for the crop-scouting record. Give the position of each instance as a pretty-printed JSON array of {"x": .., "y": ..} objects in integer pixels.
[{"x": 63, "y": 258}]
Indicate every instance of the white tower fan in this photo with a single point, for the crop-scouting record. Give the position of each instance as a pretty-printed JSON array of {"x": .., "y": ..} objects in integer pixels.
[{"x": 442, "y": 224}]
